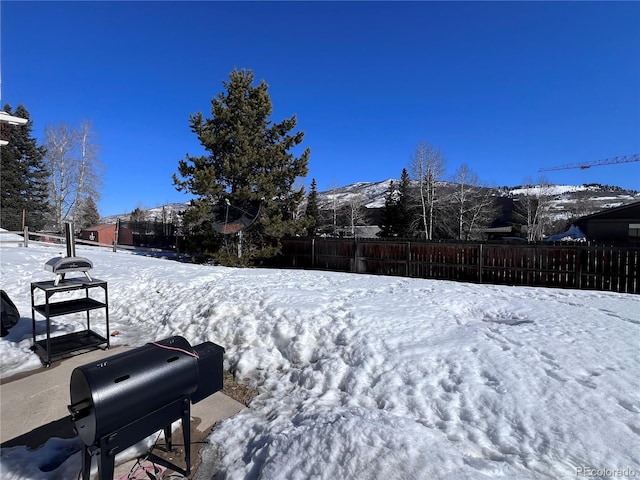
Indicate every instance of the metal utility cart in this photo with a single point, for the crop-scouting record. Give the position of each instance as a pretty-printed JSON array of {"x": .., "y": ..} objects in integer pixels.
[{"x": 51, "y": 348}]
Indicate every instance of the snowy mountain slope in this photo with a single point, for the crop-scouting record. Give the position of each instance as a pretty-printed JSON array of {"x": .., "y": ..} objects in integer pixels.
[
  {"x": 374, "y": 194},
  {"x": 166, "y": 212},
  {"x": 570, "y": 201}
]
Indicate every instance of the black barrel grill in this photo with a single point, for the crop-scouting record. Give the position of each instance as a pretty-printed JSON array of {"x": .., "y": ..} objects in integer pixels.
[{"x": 123, "y": 399}]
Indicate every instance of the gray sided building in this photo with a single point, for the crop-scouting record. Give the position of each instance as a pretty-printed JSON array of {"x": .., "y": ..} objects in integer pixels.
[{"x": 619, "y": 225}]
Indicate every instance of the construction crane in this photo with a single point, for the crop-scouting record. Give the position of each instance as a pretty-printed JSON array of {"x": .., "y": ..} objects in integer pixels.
[{"x": 598, "y": 163}]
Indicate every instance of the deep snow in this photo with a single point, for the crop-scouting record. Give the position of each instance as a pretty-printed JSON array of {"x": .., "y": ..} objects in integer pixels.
[{"x": 369, "y": 376}]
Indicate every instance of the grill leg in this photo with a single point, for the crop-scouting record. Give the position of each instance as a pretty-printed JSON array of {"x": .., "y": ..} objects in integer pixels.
[
  {"x": 167, "y": 437},
  {"x": 186, "y": 431},
  {"x": 106, "y": 464},
  {"x": 86, "y": 463}
]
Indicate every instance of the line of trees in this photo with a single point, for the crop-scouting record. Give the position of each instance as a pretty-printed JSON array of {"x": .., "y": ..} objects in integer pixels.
[
  {"x": 428, "y": 204},
  {"x": 423, "y": 204},
  {"x": 44, "y": 186}
]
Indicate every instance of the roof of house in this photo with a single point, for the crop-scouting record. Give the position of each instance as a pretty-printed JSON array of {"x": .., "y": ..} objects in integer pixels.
[
  {"x": 630, "y": 211},
  {"x": 496, "y": 229},
  {"x": 101, "y": 227}
]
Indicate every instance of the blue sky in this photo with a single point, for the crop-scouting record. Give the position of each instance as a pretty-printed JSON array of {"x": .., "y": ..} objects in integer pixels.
[{"x": 505, "y": 87}]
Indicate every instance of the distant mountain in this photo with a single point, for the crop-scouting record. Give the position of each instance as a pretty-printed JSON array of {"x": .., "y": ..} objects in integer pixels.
[
  {"x": 163, "y": 212},
  {"x": 577, "y": 201},
  {"x": 374, "y": 194},
  {"x": 569, "y": 201}
]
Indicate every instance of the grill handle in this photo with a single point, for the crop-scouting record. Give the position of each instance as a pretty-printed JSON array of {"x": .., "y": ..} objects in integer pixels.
[{"x": 80, "y": 410}]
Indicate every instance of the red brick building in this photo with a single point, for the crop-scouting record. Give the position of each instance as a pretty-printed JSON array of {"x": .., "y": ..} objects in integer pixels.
[{"x": 106, "y": 233}]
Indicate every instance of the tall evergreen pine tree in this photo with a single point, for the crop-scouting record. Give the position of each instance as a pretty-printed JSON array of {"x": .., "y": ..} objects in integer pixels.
[
  {"x": 88, "y": 213},
  {"x": 405, "y": 211},
  {"x": 247, "y": 159},
  {"x": 312, "y": 212},
  {"x": 388, "y": 226},
  {"x": 399, "y": 210},
  {"x": 23, "y": 176}
]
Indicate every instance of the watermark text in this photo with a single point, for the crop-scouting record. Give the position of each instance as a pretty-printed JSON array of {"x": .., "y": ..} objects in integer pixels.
[{"x": 590, "y": 472}]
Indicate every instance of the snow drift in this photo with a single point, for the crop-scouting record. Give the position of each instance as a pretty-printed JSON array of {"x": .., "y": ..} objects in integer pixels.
[{"x": 377, "y": 377}]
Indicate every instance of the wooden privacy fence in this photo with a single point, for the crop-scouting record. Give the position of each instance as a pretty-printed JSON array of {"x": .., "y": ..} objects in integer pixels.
[
  {"x": 24, "y": 238},
  {"x": 595, "y": 267}
]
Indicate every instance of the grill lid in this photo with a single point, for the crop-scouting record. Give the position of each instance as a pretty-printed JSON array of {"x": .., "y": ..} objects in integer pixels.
[
  {"x": 62, "y": 265},
  {"x": 68, "y": 264}
]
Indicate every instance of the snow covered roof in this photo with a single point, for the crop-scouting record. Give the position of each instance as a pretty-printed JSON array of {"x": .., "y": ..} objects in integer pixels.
[{"x": 573, "y": 234}]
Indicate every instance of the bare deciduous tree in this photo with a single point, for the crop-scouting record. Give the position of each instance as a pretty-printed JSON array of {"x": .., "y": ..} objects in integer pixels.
[
  {"x": 427, "y": 166},
  {"x": 534, "y": 204},
  {"x": 59, "y": 144},
  {"x": 474, "y": 203},
  {"x": 354, "y": 210},
  {"x": 333, "y": 198},
  {"x": 75, "y": 170}
]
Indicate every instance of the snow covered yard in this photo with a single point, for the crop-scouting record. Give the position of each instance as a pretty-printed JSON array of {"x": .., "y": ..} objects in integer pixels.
[{"x": 376, "y": 377}]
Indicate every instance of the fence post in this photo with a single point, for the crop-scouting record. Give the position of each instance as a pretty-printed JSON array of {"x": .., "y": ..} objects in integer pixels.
[
  {"x": 116, "y": 236},
  {"x": 408, "y": 269},
  {"x": 480, "y": 262},
  {"x": 25, "y": 234},
  {"x": 313, "y": 252}
]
